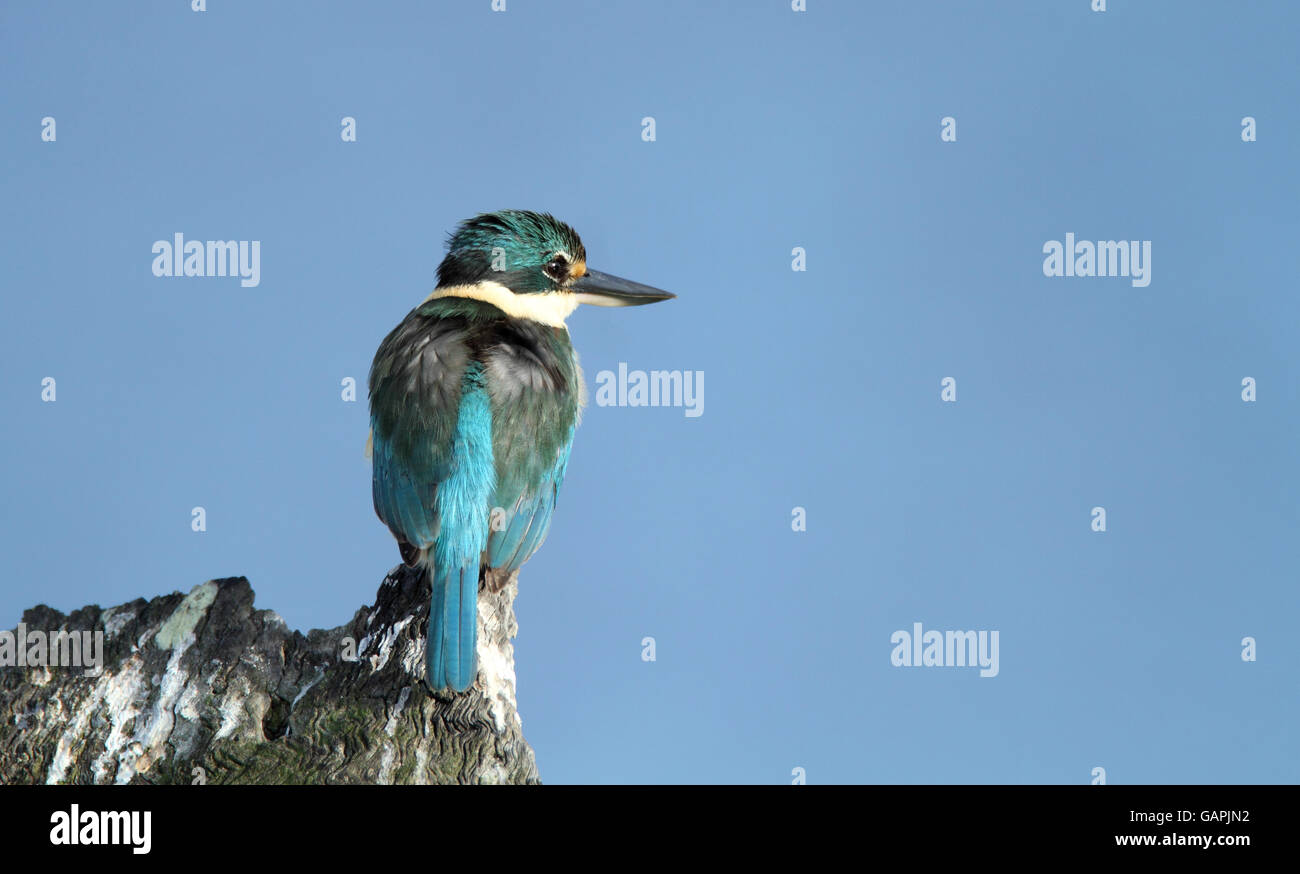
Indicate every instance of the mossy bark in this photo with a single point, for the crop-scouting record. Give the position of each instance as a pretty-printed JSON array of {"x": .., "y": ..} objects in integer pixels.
[{"x": 204, "y": 688}]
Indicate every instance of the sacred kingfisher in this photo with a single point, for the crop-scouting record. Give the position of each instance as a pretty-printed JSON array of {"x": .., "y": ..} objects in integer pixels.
[{"x": 474, "y": 398}]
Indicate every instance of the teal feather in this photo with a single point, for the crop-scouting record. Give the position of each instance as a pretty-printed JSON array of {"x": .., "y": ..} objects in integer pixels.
[
  {"x": 470, "y": 410},
  {"x": 463, "y": 506},
  {"x": 473, "y": 409}
]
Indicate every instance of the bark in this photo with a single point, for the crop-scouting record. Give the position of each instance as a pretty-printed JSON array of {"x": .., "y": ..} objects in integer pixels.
[{"x": 205, "y": 688}]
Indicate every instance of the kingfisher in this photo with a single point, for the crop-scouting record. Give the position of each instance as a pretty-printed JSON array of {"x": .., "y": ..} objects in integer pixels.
[{"x": 474, "y": 399}]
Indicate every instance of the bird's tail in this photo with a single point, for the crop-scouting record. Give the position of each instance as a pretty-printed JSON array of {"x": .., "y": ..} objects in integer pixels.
[
  {"x": 453, "y": 622},
  {"x": 463, "y": 501}
]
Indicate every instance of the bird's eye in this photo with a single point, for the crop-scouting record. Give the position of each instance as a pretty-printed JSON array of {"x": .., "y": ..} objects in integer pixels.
[{"x": 558, "y": 269}]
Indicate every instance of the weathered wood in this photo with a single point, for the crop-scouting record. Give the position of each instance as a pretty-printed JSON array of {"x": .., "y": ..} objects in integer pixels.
[{"x": 203, "y": 687}]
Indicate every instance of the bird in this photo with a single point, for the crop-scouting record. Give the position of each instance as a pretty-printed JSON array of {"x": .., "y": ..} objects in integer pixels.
[{"x": 474, "y": 400}]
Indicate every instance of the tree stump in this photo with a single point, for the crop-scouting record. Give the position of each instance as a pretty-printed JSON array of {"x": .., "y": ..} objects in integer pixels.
[{"x": 204, "y": 688}]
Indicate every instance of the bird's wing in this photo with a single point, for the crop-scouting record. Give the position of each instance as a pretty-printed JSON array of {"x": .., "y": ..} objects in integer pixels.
[
  {"x": 415, "y": 384},
  {"x": 522, "y": 517},
  {"x": 537, "y": 391}
]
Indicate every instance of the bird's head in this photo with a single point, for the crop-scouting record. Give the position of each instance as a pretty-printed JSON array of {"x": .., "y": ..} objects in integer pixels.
[{"x": 532, "y": 265}]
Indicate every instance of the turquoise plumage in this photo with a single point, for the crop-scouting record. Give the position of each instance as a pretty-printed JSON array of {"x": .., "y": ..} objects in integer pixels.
[{"x": 474, "y": 401}]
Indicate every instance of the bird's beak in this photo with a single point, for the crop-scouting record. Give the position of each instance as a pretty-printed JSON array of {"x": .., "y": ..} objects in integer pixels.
[{"x": 604, "y": 290}]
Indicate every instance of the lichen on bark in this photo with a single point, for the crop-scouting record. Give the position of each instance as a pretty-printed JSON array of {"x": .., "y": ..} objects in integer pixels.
[{"x": 203, "y": 688}]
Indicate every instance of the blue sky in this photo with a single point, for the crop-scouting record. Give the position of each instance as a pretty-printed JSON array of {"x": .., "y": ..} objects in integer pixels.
[{"x": 773, "y": 130}]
